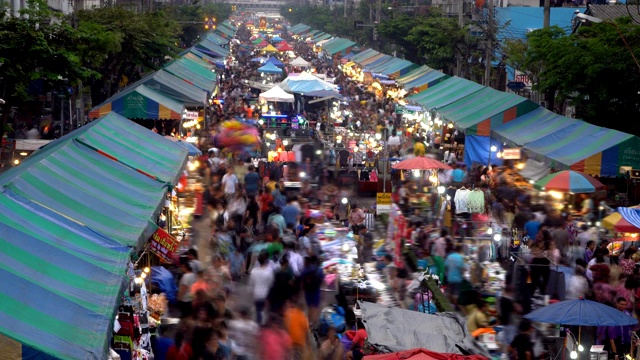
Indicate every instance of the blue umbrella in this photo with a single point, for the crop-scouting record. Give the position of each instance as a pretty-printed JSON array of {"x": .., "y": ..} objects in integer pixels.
[{"x": 581, "y": 313}]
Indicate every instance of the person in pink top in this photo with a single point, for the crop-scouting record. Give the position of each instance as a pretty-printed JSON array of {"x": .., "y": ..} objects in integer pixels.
[{"x": 275, "y": 343}]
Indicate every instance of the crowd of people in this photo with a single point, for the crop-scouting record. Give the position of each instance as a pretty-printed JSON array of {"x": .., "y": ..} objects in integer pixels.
[{"x": 264, "y": 238}]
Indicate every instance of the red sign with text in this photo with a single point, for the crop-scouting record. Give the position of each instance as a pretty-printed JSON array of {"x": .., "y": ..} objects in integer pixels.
[{"x": 163, "y": 245}]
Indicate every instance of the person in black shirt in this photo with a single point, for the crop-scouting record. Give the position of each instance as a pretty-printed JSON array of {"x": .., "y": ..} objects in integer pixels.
[{"x": 521, "y": 347}]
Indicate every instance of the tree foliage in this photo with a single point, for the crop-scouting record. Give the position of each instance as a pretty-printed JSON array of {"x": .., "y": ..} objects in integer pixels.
[
  {"x": 593, "y": 70},
  {"x": 131, "y": 45},
  {"x": 33, "y": 47},
  {"x": 435, "y": 40},
  {"x": 331, "y": 21}
]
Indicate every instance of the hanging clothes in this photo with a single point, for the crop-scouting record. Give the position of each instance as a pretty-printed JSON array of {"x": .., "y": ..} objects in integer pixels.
[
  {"x": 461, "y": 200},
  {"x": 475, "y": 202}
]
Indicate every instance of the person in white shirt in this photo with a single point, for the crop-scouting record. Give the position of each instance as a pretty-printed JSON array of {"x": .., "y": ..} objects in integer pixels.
[
  {"x": 244, "y": 331},
  {"x": 261, "y": 280},
  {"x": 296, "y": 261},
  {"x": 229, "y": 183},
  {"x": 394, "y": 139}
]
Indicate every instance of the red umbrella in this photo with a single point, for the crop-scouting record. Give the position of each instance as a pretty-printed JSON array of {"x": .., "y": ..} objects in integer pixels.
[
  {"x": 421, "y": 163},
  {"x": 422, "y": 354}
]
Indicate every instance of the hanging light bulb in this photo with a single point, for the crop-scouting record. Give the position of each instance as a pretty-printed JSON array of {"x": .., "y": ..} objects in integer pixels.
[
  {"x": 497, "y": 237},
  {"x": 580, "y": 347},
  {"x": 143, "y": 275},
  {"x": 146, "y": 270},
  {"x": 574, "y": 354},
  {"x": 490, "y": 231}
]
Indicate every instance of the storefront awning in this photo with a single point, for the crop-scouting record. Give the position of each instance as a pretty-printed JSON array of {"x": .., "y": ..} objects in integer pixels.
[
  {"x": 414, "y": 74},
  {"x": 587, "y": 148},
  {"x": 445, "y": 93},
  {"x": 475, "y": 114},
  {"x": 321, "y": 37},
  {"x": 217, "y": 39},
  {"x": 186, "y": 73},
  {"x": 60, "y": 283},
  {"x": 212, "y": 48},
  {"x": 530, "y": 127},
  {"x": 68, "y": 217},
  {"x": 369, "y": 53},
  {"x": 174, "y": 87},
  {"x": 140, "y": 102},
  {"x": 400, "y": 69},
  {"x": 425, "y": 81},
  {"x": 225, "y": 32}
]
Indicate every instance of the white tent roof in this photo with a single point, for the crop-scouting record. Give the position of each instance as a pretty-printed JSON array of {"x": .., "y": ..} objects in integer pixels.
[
  {"x": 276, "y": 94},
  {"x": 300, "y": 62}
]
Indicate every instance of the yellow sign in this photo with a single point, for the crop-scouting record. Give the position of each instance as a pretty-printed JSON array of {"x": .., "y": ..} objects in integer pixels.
[{"x": 383, "y": 199}]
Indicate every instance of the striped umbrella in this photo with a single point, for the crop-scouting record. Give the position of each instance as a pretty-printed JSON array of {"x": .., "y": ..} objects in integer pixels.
[
  {"x": 617, "y": 223},
  {"x": 569, "y": 181}
]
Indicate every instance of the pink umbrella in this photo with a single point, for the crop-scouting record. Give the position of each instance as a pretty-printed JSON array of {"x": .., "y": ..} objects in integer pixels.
[{"x": 421, "y": 163}]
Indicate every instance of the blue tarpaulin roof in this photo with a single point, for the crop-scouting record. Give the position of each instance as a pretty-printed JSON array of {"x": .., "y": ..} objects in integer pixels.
[{"x": 274, "y": 61}]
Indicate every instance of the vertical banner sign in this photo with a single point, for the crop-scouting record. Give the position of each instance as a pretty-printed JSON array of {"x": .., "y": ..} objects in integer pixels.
[
  {"x": 383, "y": 203},
  {"x": 163, "y": 245}
]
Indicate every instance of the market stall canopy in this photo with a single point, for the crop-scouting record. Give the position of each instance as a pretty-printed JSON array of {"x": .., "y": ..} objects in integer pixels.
[
  {"x": 257, "y": 40},
  {"x": 364, "y": 55},
  {"x": 617, "y": 223},
  {"x": 371, "y": 60},
  {"x": 587, "y": 148},
  {"x": 269, "y": 68},
  {"x": 477, "y": 113},
  {"x": 191, "y": 75},
  {"x": 225, "y": 32},
  {"x": 307, "y": 84},
  {"x": 274, "y": 61},
  {"x": 263, "y": 44},
  {"x": 77, "y": 175},
  {"x": 445, "y": 93},
  {"x": 69, "y": 215},
  {"x": 581, "y": 312},
  {"x": 422, "y": 354},
  {"x": 337, "y": 45},
  {"x": 421, "y": 163},
  {"x": 425, "y": 81},
  {"x": 276, "y": 94},
  {"x": 192, "y": 149},
  {"x": 60, "y": 283},
  {"x": 196, "y": 54},
  {"x": 212, "y": 48},
  {"x": 631, "y": 215},
  {"x": 414, "y": 74},
  {"x": 299, "y": 62},
  {"x": 400, "y": 68},
  {"x": 277, "y": 39},
  {"x": 140, "y": 102},
  {"x": 217, "y": 39},
  {"x": 299, "y": 29},
  {"x": 446, "y": 333},
  {"x": 530, "y": 127},
  {"x": 535, "y": 170},
  {"x": 168, "y": 84},
  {"x": 283, "y": 46},
  {"x": 322, "y": 37},
  {"x": 270, "y": 49}
]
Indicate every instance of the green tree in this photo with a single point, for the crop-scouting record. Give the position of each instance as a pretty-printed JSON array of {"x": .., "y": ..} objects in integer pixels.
[
  {"x": 34, "y": 47},
  {"x": 593, "y": 70},
  {"x": 134, "y": 44},
  {"x": 191, "y": 17}
]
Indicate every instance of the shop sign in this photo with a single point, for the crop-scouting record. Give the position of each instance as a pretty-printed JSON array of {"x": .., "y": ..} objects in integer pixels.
[
  {"x": 519, "y": 76},
  {"x": 163, "y": 245},
  {"x": 511, "y": 154},
  {"x": 191, "y": 115},
  {"x": 383, "y": 203}
]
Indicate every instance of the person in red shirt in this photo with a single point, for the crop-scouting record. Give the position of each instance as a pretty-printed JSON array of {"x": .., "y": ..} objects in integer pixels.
[
  {"x": 180, "y": 350},
  {"x": 357, "y": 345},
  {"x": 265, "y": 199}
]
